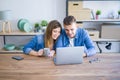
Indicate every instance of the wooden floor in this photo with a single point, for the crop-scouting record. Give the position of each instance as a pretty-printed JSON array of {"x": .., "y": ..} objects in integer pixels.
[{"x": 40, "y": 68}]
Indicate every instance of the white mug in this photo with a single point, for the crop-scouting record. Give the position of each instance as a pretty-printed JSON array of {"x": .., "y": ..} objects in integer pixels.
[{"x": 46, "y": 51}]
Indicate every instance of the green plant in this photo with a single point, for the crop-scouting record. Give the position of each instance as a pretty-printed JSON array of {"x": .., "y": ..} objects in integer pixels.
[
  {"x": 36, "y": 25},
  {"x": 98, "y": 12},
  {"x": 44, "y": 23},
  {"x": 119, "y": 12}
]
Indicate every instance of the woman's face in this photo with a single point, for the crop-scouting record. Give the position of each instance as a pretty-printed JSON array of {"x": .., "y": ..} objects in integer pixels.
[{"x": 56, "y": 33}]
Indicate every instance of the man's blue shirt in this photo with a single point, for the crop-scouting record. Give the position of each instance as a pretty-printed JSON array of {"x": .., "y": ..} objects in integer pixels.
[{"x": 81, "y": 39}]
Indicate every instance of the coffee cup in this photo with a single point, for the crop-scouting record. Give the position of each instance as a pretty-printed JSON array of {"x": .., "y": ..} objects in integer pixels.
[{"x": 46, "y": 51}]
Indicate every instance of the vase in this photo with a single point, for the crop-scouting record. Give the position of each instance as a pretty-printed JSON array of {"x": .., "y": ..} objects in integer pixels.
[
  {"x": 97, "y": 16},
  {"x": 44, "y": 29},
  {"x": 37, "y": 29}
]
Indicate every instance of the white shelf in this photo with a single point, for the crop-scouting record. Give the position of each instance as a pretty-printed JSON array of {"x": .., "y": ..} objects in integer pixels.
[
  {"x": 100, "y": 20},
  {"x": 112, "y": 40},
  {"x": 93, "y": 0}
]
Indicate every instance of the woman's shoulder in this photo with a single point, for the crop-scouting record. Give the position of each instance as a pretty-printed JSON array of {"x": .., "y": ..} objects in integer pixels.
[{"x": 39, "y": 37}]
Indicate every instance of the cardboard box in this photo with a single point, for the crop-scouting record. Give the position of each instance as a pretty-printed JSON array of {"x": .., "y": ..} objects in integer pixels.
[
  {"x": 110, "y": 31},
  {"x": 80, "y": 25},
  {"x": 83, "y": 14},
  {"x": 75, "y": 5},
  {"x": 94, "y": 34}
]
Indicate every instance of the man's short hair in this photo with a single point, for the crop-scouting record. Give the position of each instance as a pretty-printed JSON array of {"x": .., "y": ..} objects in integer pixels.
[{"x": 69, "y": 20}]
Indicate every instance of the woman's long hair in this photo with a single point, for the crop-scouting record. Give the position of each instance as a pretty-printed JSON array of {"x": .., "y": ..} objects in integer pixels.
[{"x": 49, "y": 42}]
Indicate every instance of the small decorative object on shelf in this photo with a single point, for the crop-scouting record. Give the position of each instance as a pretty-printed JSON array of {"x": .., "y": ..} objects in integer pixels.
[
  {"x": 93, "y": 17},
  {"x": 98, "y": 12},
  {"x": 5, "y": 17},
  {"x": 36, "y": 27},
  {"x": 24, "y": 25},
  {"x": 118, "y": 14},
  {"x": 9, "y": 47},
  {"x": 44, "y": 24}
]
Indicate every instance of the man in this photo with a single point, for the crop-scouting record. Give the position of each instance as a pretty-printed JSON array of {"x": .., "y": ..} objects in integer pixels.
[{"x": 74, "y": 36}]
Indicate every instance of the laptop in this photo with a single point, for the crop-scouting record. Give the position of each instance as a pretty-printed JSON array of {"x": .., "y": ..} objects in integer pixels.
[{"x": 69, "y": 55}]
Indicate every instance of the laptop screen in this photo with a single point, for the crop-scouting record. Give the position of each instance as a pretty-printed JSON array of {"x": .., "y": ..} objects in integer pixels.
[{"x": 69, "y": 55}]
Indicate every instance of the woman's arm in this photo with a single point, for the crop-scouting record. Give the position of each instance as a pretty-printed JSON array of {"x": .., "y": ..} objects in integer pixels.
[
  {"x": 30, "y": 45},
  {"x": 35, "y": 53},
  {"x": 34, "y": 45}
]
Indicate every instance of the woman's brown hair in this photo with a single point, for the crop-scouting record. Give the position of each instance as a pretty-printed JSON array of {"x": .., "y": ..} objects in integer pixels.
[{"x": 48, "y": 35}]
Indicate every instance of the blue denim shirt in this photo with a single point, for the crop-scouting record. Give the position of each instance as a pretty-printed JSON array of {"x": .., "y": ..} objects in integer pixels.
[
  {"x": 81, "y": 39},
  {"x": 36, "y": 44}
]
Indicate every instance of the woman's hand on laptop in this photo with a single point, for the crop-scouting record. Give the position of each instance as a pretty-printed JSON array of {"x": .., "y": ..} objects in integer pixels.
[{"x": 52, "y": 52}]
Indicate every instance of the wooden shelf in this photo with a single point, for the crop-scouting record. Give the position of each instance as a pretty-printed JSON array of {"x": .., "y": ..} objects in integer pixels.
[
  {"x": 18, "y": 33},
  {"x": 12, "y": 51}
]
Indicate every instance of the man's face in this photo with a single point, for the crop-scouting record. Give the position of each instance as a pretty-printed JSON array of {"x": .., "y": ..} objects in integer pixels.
[{"x": 71, "y": 30}]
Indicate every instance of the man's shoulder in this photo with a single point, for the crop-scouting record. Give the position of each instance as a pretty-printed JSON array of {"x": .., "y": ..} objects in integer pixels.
[
  {"x": 63, "y": 31},
  {"x": 79, "y": 30}
]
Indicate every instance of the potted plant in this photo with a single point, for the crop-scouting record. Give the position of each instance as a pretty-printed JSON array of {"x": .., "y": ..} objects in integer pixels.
[
  {"x": 36, "y": 27},
  {"x": 98, "y": 12},
  {"x": 118, "y": 14},
  {"x": 44, "y": 24}
]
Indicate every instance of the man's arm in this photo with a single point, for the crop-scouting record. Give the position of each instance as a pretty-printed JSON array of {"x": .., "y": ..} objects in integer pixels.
[{"x": 90, "y": 48}]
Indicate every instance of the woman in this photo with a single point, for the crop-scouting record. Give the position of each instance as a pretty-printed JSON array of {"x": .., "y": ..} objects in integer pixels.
[{"x": 38, "y": 43}]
